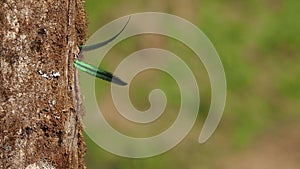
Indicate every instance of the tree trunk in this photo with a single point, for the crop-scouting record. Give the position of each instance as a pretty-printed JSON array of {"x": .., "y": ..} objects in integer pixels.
[{"x": 39, "y": 126}]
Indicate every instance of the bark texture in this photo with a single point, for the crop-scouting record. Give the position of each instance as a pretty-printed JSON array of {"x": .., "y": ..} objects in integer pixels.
[{"x": 39, "y": 126}]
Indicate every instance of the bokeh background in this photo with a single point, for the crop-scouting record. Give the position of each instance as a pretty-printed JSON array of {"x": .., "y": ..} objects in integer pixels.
[{"x": 258, "y": 42}]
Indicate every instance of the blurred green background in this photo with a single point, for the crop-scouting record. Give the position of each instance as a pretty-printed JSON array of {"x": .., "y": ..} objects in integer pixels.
[{"x": 258, "y": 43}]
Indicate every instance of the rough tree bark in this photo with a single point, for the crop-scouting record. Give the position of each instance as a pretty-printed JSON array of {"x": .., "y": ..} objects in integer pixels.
[{"x": 39, "y": 126}]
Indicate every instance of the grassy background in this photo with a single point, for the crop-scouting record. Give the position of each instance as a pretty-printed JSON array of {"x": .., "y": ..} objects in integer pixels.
[{"x": 258, "y": 43}]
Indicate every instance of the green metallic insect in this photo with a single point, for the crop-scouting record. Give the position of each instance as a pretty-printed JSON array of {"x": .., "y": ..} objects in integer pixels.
[{"x": 99, "y": 73}]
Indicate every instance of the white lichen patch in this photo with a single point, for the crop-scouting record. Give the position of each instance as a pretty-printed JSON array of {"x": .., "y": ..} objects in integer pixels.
[
  {"x": 45, "y": 76},
  {"x": 51, "y": 75},
  {"x": 13, "y": 22},
  {"x": 40, "y": 165},
  {"x": 11, "y": 99},
  {"x": 19, "y": 132},
  {"x": 53, "y": 102},
  {"x": 56, "y": 74},
  {"x": 40, "y": 72},
  {"x": 19, "y": 94},
  {"x": 23, "y": 39}
]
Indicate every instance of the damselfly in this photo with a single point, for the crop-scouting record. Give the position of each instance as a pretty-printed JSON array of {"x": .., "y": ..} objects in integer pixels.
[{"x": 99, "y": 73}]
